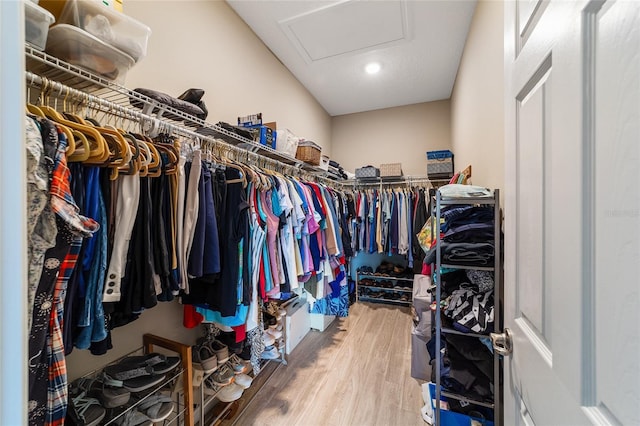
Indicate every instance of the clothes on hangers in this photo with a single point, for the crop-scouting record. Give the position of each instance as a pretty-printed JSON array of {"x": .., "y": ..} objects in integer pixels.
[
  {"x": 384, "y": 220},
  {"x": 50, "y": 199},
  {"x": 276, "y": 239},
  {"x": 164, "y": 222}
]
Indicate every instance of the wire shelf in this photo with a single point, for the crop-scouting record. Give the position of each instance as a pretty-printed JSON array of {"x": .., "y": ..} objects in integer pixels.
[{"x": 112, "y": 95}]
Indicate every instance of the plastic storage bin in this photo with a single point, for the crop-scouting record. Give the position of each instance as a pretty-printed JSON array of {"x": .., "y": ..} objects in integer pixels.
[
  {"x": 78, "y": 47},
  {"x": 297, "y": 323},
  {"x": 451, "y": 418},
  {"x": 108, "y": 25},
  {"x": 36, "y": 25},
  {"x": 320, "y": 322},
  {"x": 287, "y": 142}
]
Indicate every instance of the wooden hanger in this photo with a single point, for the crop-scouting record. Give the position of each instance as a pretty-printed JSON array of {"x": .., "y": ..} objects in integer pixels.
[
  {"x": 56, "y": 117},
  {"x": 147, "y": 159},
  {"x": 155, "y": 168},
  {"x": 96, "y": 141}
]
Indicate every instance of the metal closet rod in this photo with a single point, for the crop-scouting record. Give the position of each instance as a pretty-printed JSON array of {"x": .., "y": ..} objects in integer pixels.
[
  {"x": 59, "y": 90},
  {"x": 408, "y": 181}
]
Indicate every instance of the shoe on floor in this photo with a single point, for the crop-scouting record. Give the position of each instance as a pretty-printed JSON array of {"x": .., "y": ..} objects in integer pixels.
[
  {"x": 230, "y": 393},
  {"x": 243, "y": 380},
  {"x": 223, "y": 376}
]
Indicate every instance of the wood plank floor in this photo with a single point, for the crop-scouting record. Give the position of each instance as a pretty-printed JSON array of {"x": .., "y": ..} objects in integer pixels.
[{"x": 357, "y": 372}]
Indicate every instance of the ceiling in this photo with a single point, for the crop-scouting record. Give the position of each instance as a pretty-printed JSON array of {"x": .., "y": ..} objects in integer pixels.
[{"x": 327, "y": 44}]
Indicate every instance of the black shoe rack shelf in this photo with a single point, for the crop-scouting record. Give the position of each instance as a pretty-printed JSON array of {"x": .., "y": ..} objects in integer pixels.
[{"x": 384, "y": 289}]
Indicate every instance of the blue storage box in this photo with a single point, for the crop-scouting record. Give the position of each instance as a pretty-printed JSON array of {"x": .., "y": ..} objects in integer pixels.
[
  {"x": 451, "y": 418},
  {"x": 440, "y": 164},
  {"x": 263, "y": 134}
]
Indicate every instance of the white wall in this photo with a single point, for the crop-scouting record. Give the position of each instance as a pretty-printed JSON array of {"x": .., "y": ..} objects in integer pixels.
[
  {"x": 392, "y": 135},
  {"x": 477, "y": 106},
  {"x": 204, "y": 44}
]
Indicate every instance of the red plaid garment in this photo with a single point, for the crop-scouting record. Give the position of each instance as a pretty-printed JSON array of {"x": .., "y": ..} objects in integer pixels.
[
  {"x": 62, "y": 202},
  {"x": 79, "y": 226},
  {"x": 57, "y": 394}
]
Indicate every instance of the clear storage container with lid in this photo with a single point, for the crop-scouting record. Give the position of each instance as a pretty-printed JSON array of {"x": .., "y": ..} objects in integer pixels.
[
  {"x": 108, "y": 25},
  {"x": 37, "y": 21},
  {"x": 78, "y": 47}
]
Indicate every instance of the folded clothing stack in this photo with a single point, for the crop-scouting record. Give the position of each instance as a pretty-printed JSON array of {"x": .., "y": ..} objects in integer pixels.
[{"x": 336, "y": 171}]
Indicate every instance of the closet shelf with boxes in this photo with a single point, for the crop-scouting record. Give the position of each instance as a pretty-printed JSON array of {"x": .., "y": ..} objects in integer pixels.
[{"x": 43, "y": 64}]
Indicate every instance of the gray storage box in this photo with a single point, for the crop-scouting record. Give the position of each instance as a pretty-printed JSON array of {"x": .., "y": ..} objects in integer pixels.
[{"x": 367, "y": 172}]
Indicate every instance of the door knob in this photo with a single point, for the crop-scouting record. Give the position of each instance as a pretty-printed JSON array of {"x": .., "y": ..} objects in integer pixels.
[{"x": 502, "y": 342}]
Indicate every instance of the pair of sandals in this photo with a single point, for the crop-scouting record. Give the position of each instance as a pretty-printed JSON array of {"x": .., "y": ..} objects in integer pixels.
[
  {"x": 153, "y": 409},
  {"x": 87, "y": 411},
  {"x": 138, "y": 373},
  {"x": 83, "y": 408}
]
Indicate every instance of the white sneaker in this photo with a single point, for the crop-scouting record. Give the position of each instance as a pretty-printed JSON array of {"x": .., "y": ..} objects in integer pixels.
[
  {"x": 275, "y": 333},
  {"x": 238, "y": 365},
  {"x": 209, "y": 387},
  {"x": 271, "y": 353},
  {"x": 230, "y": 393},
  {"x": 268, "y": 339},
  {"x": 243, "y": 380}
]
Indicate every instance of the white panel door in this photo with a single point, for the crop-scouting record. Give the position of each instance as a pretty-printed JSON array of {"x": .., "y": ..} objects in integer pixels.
[{"x": 572, "y": 212}]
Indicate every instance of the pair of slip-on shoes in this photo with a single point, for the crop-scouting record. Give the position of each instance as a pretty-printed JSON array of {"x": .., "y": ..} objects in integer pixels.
[{"x": 138, "y": 373}]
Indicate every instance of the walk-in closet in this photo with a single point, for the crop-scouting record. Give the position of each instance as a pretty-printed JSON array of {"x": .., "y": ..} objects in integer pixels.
[{"x": 394, "y": 212}]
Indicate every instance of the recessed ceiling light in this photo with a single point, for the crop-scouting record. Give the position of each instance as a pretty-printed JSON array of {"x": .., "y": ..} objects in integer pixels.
[{"x": 372, "y": 68}]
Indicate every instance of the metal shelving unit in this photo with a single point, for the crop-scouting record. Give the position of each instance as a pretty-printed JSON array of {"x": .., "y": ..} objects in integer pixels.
[
  {"x": 365, "y": 298},
  {"x": 496, "y": 404}
]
